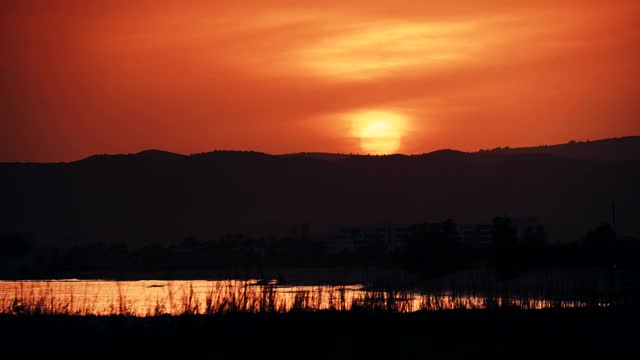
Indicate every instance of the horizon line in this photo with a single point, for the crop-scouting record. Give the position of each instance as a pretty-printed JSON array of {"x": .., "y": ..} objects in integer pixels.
[{"x": 498, "y": 148}]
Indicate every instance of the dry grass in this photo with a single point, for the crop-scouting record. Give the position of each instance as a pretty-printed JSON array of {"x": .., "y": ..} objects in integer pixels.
[{"x": 246, "y": 297}]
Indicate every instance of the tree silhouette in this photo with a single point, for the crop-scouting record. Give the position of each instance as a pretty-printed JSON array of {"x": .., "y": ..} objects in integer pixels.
[
  {"x": 603, "y": 236},
  {"x": 14, "y": 246},
  {"x": 504, "y": 233}
]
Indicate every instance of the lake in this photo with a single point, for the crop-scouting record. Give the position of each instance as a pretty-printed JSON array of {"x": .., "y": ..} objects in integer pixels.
[{"x": 174, "y": 297}]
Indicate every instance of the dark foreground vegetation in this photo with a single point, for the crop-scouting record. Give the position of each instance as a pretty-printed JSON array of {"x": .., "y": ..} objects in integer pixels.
[{"x": 502, "y": 333}]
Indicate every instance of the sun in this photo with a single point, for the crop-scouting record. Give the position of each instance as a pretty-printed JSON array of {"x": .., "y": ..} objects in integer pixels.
[
  {"x": 380, "y": 137},
  {"x": 379, "y": 132}
]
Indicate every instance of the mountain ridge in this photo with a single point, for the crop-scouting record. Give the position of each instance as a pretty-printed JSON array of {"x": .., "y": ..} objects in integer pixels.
[
  {"x": 162, "y": 197},
  {"x": 617, "y": 148},
  {"x": 569, "y": 149}
]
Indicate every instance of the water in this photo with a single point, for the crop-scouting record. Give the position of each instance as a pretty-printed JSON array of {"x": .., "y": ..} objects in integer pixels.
[{"x": 155, "y": 297}]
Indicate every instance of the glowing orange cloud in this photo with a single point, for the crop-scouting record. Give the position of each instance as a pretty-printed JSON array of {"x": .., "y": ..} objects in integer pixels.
[{"x": 78, "y": 78}]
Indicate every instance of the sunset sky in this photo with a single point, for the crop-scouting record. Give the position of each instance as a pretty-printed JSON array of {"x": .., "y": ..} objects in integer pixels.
[{"x": 83, "y": 77}]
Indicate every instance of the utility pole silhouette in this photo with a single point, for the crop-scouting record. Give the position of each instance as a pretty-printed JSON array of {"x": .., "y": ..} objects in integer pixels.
[{"x": 613, "y": 214}]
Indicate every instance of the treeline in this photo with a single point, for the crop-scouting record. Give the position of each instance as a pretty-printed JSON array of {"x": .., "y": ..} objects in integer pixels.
[{"x": 429, "y": 248}]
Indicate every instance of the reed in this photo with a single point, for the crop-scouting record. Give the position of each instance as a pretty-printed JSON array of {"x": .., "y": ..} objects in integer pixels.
[{"x": 247, "y": 297}]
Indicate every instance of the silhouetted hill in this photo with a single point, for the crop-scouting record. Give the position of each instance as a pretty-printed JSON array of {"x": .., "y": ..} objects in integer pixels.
[
  {"x": 152, "y": 155},
  {"x": 155, "y": 196},
  {"x": 319, "y": 155},
  {"x": 229, "y": 155},
  {"x": 625, "y": 148},
  {"x": 448, "y": 154},
  {"x": 158, "y": 155}
]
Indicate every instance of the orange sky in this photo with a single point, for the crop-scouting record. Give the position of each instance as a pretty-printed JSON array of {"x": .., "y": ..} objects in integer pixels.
[{"x": 83, "y": 77}]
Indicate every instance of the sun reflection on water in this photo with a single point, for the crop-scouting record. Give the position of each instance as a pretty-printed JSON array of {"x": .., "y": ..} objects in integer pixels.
[{"x": 154, "y": 297}]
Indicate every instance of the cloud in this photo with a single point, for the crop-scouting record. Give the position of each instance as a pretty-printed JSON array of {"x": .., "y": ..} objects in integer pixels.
[{"x": 278, "y": 76}]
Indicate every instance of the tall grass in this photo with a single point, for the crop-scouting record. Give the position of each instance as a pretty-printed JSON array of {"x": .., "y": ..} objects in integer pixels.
[{"x": 246, "y": 297}]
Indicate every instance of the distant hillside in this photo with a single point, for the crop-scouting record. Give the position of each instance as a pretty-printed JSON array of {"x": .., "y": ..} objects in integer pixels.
[
  {"x": 152, "y": 155},
  {"x": 155, "y": 196},
  {"x": 319, "y": 155},
  {"x": 625, "y": 148}
]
